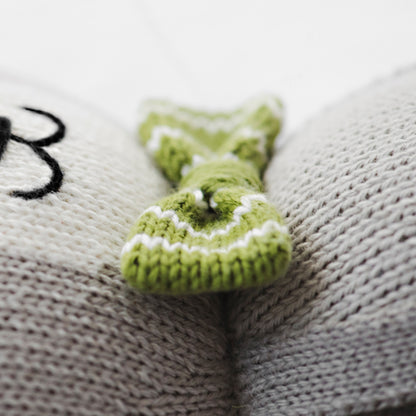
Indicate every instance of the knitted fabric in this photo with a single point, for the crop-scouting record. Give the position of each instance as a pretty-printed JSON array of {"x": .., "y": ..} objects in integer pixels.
[
  {"x": 217, "y": 232},
  {"x": 75, "y": 339},
  {"x": 337, "y": 335},
  {"x": 37, "y": 146}
]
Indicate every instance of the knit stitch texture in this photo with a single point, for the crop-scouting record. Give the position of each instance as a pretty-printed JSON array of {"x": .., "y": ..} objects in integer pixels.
[
  {"x": 337, "y": 335},
  {"x": 75, "y": 339},
  {"x": 217, "y": 232}
]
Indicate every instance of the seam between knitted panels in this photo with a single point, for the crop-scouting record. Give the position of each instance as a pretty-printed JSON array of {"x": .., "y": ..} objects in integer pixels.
[{"x": 230, "y": 354}]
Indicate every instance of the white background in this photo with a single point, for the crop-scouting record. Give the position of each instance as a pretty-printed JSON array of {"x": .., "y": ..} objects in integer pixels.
[{"x": 216, "y": 53}]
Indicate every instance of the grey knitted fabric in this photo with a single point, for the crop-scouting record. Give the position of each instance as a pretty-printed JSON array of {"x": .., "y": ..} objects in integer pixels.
[
  {"x": 337, "y": 335},
  {"x": 74, "y": 339}
]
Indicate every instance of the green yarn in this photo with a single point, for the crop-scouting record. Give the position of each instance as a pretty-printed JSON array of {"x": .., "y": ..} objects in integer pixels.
[
  {"x": 217, "y": 232},
  {"x": 216, "y": 174}
]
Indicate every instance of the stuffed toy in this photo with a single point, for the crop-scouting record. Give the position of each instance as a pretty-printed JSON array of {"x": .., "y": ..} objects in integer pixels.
[{"x": 215, "y": 315}]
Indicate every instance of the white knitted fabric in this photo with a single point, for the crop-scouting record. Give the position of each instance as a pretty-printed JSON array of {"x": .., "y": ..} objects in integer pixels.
[
  {"x": 337, "y": 335},
  {"x": 108, "y": 180},
  {"x": 74, "y": 339}
]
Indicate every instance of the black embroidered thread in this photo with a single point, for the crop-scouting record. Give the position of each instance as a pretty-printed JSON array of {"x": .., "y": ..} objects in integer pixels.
[{"x": 56, "y": 179}]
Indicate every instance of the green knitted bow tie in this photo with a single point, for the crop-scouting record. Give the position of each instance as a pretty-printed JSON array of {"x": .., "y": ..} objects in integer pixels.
[{"x": 217, "y": 232}]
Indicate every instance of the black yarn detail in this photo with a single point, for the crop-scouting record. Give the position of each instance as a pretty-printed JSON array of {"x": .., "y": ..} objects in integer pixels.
[
  {"x": 5, "y": 127},
  {"x": 57, "y": 176},
  {"x": 53, "y": 138}
]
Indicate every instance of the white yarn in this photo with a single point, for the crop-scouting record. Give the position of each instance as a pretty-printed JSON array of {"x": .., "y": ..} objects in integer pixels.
[
  {"x": 151, "y": 242},
  {"x": 238, "y": 213}
]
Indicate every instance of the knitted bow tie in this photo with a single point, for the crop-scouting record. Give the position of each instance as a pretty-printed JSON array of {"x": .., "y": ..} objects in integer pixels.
[{"x": 217, "y": 232}]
